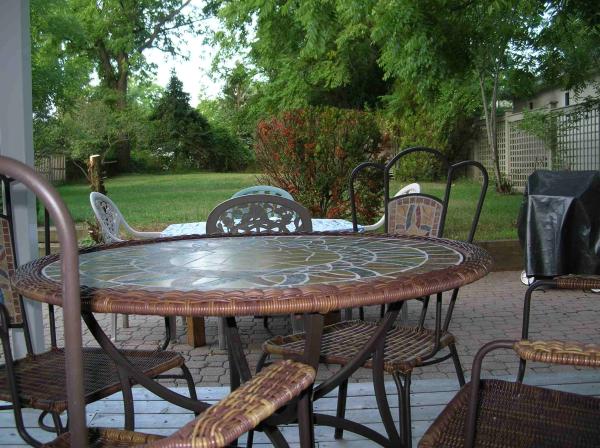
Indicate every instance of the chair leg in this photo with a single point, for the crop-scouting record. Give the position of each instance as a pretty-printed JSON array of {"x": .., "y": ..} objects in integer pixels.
[
  {"x": 187, "y": 376},
  {"x": 521, "y": 374},
  {"x": 361, "y": 313},
  {"x": 114, "y": 326},
  {"x": 403, "y": 388},
  {"x": 266, "y": 322},
  {"x": 58, "y": 426},
  {"x": 261, "y": 361},
  {"x": 404, "y": 314},
  {"x": 125, "y": 320},
  {"x": 221, "y": 333},
  {"x": 341, "y": 407},
  {"x": 460, "y": 374},
  {"x": 305, "y": 421},
  {"x": 127, "y": 400}
]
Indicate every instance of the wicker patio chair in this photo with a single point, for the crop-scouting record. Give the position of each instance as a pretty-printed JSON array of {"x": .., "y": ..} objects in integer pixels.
[
  {"x": 242, "y": 410},
  {"x": 263, "y": 189},
  {"x": 406, "y": 347},
  {"x": 501, "y": 414},
  {"x": 257, "y": 213},
  {"x": 581, "y": 282},
  {"x": 38, "y": 380},
  {"x": 111, "y": 221}
]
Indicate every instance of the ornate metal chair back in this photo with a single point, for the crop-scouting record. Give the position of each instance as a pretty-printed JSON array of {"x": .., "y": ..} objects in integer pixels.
[
  {"x": 258, "y": 213},
  {"x": 108, "y": 215},
  {"x": 264, "y": 189}
]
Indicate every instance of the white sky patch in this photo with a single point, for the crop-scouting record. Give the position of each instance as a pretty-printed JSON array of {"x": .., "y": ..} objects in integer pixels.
[{"x": 194, "y": 72}]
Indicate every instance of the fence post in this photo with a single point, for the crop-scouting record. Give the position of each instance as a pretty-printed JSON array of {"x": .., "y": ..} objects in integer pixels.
[{"x": 506, "y": 124}]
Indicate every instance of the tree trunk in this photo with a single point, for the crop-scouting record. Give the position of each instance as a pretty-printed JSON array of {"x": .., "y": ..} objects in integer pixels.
[
  {"x": 123, "y": 147},
  {"x": 490, "y": 110},
  {"x": 95, "y": 174}
]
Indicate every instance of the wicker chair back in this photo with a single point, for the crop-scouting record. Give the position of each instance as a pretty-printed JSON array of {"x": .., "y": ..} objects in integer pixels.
[
  {"x": 258, "y": 213},
  {"x": 8, "y": 296}
]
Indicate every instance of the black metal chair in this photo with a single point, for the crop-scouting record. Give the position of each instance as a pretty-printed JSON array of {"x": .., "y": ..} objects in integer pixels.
[
  {"x": 39, "y": 381},
  {"x": 407, "y": 347}
]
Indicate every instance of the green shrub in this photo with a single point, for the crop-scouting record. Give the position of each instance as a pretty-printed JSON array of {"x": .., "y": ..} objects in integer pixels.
[
  {"x": 227, "y": 152},
  {"x": 311, "y": 152}
]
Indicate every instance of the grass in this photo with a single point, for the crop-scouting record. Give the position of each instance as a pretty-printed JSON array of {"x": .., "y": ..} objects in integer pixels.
[{"x": 151, "y": 202}]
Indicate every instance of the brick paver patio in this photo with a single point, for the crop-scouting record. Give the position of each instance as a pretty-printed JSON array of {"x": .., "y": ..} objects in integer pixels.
[{"x": 486, "y": 310}]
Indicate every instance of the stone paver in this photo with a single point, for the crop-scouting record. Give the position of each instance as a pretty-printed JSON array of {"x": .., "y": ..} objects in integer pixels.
[{"x": 488, "y": 309}]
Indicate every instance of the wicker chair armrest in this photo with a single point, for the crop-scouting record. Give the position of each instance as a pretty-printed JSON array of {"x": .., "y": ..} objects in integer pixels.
[
  {"x": 578, "y": 282},
  {"x": 244, "y": 408},
  {"x": 559, "y": 352}
]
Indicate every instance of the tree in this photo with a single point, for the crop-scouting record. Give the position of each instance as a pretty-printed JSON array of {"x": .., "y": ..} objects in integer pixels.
[
  {"x": 306, "y": 51},
  {"x": 180, "y": 135},
  {"x": 112, "y": 35}
]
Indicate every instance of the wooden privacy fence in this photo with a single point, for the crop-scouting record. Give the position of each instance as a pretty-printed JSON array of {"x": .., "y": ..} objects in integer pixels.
[
  {"x": 570, "y": 140},
  {"x": 53, "y": 167}
]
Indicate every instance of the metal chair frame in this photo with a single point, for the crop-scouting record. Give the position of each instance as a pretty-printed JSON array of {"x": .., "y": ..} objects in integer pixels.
[
  {"x": 6, "y": 325},
  {"x": 403, "y": 380},
  {"x": 57, "y": 210}
]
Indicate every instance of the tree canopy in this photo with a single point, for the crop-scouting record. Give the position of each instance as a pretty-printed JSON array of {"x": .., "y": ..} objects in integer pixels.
[{"x": 429, "y": 63}]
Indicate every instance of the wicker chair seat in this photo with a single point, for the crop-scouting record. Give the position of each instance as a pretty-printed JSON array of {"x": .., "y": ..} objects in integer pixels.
[
  {"x": 41, "y": 378},
  {"x": 103, "y": 437},
  {"x": 518, "y": 415},
  {"x": 559, "y": 352},
  {"x": 405, "y": 347}
]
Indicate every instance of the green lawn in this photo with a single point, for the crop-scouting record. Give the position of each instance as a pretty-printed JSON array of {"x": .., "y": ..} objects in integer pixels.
[{"x": 151, "y": 202}]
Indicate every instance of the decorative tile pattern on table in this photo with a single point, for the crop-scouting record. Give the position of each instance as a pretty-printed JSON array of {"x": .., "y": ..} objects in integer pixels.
[{"x": 258, "y": 262}]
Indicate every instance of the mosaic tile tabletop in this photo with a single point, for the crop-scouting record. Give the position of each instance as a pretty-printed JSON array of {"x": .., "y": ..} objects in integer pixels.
[{"x": 258, "y": 262}]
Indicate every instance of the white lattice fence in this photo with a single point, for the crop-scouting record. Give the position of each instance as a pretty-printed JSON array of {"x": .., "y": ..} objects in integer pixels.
[{"x": 573, "y": 143}]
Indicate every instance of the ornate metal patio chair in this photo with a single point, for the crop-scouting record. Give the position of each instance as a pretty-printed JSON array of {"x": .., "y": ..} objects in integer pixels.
[
  {"x": 257, "y": 213},
  {"x": 38, "y": 380},
  {"x": 241, "y": 411},
  {"x": 501, "y": 414},
  {"x": 264, "y": 189},
  {"x": 111, "y": 223},
  {"x": 406, "y": 347}
]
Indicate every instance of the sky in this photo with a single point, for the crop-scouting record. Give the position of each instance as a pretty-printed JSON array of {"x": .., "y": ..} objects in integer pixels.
[{"x": 194, "y": 73}]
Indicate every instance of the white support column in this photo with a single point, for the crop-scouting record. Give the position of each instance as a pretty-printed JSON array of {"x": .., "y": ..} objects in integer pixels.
[{"x": 16, "y": 140}]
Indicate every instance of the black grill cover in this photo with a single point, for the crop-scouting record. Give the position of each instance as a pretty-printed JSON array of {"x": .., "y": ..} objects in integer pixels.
[{"x": 559, "y": 223}]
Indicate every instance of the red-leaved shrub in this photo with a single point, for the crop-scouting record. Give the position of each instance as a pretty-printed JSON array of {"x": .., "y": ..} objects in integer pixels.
[{"x": 311, "y": 152}]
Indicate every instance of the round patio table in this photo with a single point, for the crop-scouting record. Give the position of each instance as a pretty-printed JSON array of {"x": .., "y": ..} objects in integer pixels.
[{"x": 247, "y": 275}]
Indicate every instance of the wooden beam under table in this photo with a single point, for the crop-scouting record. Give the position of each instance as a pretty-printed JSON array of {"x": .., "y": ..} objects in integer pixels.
[{"x": 196, "y": 334}]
